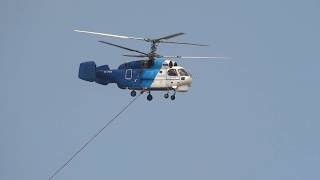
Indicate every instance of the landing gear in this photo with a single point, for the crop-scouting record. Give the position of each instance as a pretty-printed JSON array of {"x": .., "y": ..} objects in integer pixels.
[
  {"x": 149, "y": 97},
  {"x": 173, "y": 96},
  {"x": 133, "y": 93}
]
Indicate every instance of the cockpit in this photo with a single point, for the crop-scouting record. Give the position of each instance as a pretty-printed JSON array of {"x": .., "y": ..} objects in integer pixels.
[
  {"x": 172, "y": 72},
  {"x": 183, "y": 72},
  {"x": 177, "y": 72}
]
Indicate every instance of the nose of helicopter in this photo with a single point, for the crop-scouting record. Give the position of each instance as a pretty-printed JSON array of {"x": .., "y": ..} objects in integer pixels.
[{"x": 189, "y": 80}]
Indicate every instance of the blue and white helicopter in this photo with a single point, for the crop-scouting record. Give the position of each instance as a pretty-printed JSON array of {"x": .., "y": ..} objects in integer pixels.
[{"x": 154, "y": 73}]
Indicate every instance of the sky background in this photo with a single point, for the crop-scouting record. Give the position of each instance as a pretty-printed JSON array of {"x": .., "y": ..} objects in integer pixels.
[{"x": 254, "y": 116}]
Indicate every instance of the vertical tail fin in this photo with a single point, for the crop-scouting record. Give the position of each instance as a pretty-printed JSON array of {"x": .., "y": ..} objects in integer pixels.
[{"x": 88, "y": 71}]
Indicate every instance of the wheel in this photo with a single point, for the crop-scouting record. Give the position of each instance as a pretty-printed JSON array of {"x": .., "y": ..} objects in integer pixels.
[
  {"x": 149, "y": 97},
  {"x": 133, "y": 93},
  {"x": 166, "y": 95},
  {"x": 173, "y": 97}
]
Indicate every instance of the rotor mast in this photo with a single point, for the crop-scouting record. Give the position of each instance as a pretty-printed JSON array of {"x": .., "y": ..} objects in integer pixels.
[{"x": 153, "y": 49}]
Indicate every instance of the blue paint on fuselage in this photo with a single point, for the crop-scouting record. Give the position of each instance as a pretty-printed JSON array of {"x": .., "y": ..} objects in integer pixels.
[
  {"x": 143, "y": 74},
  {"x": 150, "y": 74}
]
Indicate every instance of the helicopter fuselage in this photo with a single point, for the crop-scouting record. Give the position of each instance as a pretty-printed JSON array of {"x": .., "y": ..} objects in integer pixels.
[{"x": 161, "y": 75}]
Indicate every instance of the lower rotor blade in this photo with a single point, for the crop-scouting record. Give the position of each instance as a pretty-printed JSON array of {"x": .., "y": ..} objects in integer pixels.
[
  {"x": 183, "y": 43},
  {"x": 195, "y": 57},
  {"x": 122, "y": 47},
  {"x": 138, "y": 56}
]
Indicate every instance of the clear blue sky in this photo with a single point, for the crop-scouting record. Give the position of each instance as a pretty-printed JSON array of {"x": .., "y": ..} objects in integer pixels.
[{"x": 255, "y": 116}]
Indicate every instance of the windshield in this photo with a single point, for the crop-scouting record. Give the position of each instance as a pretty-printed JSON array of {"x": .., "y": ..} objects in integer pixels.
[{"x": 183, "y": 72}]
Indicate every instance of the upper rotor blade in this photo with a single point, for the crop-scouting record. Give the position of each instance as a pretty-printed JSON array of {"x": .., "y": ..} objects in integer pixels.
[
  {"x": 169, "y": 36},
  {"x": 111, "y": 35},
  {"x": 184, "y": 43},
  {"x": 122, "y": 47},
  {"x": 195, "y": 57}
]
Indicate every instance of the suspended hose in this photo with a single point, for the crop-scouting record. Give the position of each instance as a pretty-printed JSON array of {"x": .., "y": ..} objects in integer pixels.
[{"x": 93, "y": 137}]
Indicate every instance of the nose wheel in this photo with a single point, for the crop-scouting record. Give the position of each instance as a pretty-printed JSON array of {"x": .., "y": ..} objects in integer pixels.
[{"x": 172, "y": 97}]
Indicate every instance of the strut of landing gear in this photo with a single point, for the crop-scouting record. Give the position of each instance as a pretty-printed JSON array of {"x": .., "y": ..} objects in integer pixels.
[
  {"x": 173, "y": 96},
  {"x": 149, "y": 97},
  {"x": 133, "y": 93}
]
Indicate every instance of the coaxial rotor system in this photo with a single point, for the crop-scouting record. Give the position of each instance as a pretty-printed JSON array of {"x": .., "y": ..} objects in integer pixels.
[{"x": 154, "y": 43}]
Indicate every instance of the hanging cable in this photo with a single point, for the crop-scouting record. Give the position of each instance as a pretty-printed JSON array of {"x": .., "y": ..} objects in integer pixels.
[{"x": 93, "y": 137}]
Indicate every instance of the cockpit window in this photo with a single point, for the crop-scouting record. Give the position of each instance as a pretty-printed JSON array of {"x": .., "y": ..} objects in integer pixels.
[
  {"x": 183, "y": 72},
  {"x": 172, "y": 72}
]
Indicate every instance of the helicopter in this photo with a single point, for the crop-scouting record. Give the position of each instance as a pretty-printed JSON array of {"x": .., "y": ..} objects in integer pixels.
[{"x": 152, "y": 73}]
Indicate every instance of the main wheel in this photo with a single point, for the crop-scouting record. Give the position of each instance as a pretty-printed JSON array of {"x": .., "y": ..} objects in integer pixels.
[
  {"x": 133, "y": 93},
  {"x": 166, "y": 95},
  {"x": 173, "y": 97},
  {"x": 149, "y": 97}
]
